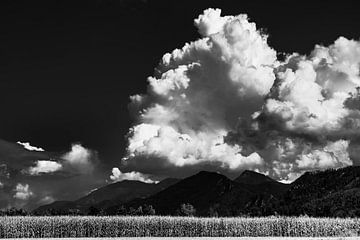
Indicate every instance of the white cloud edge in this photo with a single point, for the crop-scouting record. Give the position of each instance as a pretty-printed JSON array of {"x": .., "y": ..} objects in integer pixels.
[
  {"x": 27, "y": 146},
  {"x": 118, "y": 176}
]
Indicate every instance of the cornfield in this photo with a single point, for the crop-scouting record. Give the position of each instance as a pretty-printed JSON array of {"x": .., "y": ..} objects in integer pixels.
[{"x": 157, "y": 226}]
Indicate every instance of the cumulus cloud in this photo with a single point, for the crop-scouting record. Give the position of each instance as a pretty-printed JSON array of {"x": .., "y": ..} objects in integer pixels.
[
  {"x": 117, "y": 176},
  {"x": 226, "y": 101},
  {"x": 315, "y": 99},
  {"x": 27, "y": 146},
  {"x": 23, "y": 192},
  {"x": 44, "y": 166},
  {"x": 307, "y": 103},
  {"x": 42, "y": 177},
  {"x": 199, "y": 93},
  {"x": 312, "y": 93},
  {"x": 80, "y": 159},
  {"x": 333, "y": 155}
]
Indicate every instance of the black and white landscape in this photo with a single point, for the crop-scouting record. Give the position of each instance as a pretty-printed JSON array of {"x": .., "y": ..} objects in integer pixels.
[{"x": 196, "y": 108}]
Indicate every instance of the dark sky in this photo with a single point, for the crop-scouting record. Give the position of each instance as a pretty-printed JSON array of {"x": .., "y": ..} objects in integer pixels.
[{"x": 67, "y": 68}]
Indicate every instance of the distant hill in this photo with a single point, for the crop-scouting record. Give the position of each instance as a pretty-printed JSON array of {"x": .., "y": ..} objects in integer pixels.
[
  {"x": 109, "y": 195},
  {"x": 324, "y": 193},
  {"x": 203, "y": 190},
  {"x": 124, "y": 191},
  {"x": 261, "y": 184},
  {"x": 330, "y": 193},
  {"x": 253, "y": 178},
  {"x": 211, "y": 192}
]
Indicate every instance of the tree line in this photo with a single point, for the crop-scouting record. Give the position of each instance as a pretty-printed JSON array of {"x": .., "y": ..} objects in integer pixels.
[{"x": 184, "y": 209}]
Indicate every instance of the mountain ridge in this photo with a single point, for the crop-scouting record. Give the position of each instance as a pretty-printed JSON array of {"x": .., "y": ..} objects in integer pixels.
[
  {"x": 207, "y": 192},
  {"x": 329, "y": 193},
  {"x": 108, "y": 195}
]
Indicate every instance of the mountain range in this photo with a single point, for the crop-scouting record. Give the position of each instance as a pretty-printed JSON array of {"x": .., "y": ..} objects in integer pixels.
[
  {"x": 321, "y": 193},
  {"x": 107, "y": 196}
]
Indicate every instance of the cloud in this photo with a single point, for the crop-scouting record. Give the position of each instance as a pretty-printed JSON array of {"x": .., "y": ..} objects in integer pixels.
[
  {"x": 1, "y": 185},
  {"x": 226, "y": 102},
  {"x": 198, "y": 94},
  {"x": 333, "y": 155},
  {"x": 23, "y": 192},
  {"x": 79, "y": 159},
  {"x": 4, "y": 172},
  {"x": 312, "y": 94},
  {"x": 314, "y": 101},
  {"x": 46, "y": 200},
  {"x": 117, "y": 176},
  {"x": 50, "y": 176},
  {"x": 304, "y": 105},
  {"x": 44, "y": 166},
  {"x": 27, "y": 146}
]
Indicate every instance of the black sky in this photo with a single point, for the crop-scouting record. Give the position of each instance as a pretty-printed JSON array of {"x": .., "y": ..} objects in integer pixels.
[{"x": 67, "y": 68}]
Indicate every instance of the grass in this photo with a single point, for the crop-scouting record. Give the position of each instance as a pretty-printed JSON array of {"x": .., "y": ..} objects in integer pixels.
[
  {"x": 156, "y": 226},
  {"x": 207, "y": 238}
]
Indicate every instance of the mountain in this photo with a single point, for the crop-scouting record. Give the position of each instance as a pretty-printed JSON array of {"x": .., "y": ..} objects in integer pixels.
[
  {"x": 124, "y": 191},
  {"x": 267, "y": 193},
  {"x": 209, "y": 191},
  {"x": 253, "y": 178},
  {"x": 330, "y": 193},
  {"x": 109, "y": 195},
  {"x": 261, "y": 184}
]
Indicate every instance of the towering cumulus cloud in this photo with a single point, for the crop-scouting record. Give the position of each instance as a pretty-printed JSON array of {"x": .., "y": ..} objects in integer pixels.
[{"x": 226, "y": 102}]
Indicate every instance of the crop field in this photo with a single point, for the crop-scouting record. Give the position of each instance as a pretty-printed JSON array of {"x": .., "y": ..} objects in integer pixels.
[{"x": 157, "y": 226}]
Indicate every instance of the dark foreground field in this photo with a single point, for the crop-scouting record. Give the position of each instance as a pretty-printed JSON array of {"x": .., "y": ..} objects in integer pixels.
[{"x": 155, "y": 226}]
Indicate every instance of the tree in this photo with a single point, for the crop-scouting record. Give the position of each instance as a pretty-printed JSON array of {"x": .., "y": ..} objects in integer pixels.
[
  {"x": 132, "y": 211},
  {"x": 212, "y": 212},
  {"x": 50, "y": 212},
  {"x": 93, "y": 211},
  {"x": 149, "y": 210},
  {"x": 14, "y": 212},
  {"x": 139, "y": 211},
  {"x": 73, "y": 212},
  {"x": 186, "y": 209},
  {"x": 121, "y": 210}
]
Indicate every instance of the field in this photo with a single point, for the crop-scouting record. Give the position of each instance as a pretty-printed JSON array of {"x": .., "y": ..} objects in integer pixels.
[{"x": 156, "y": 226}]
